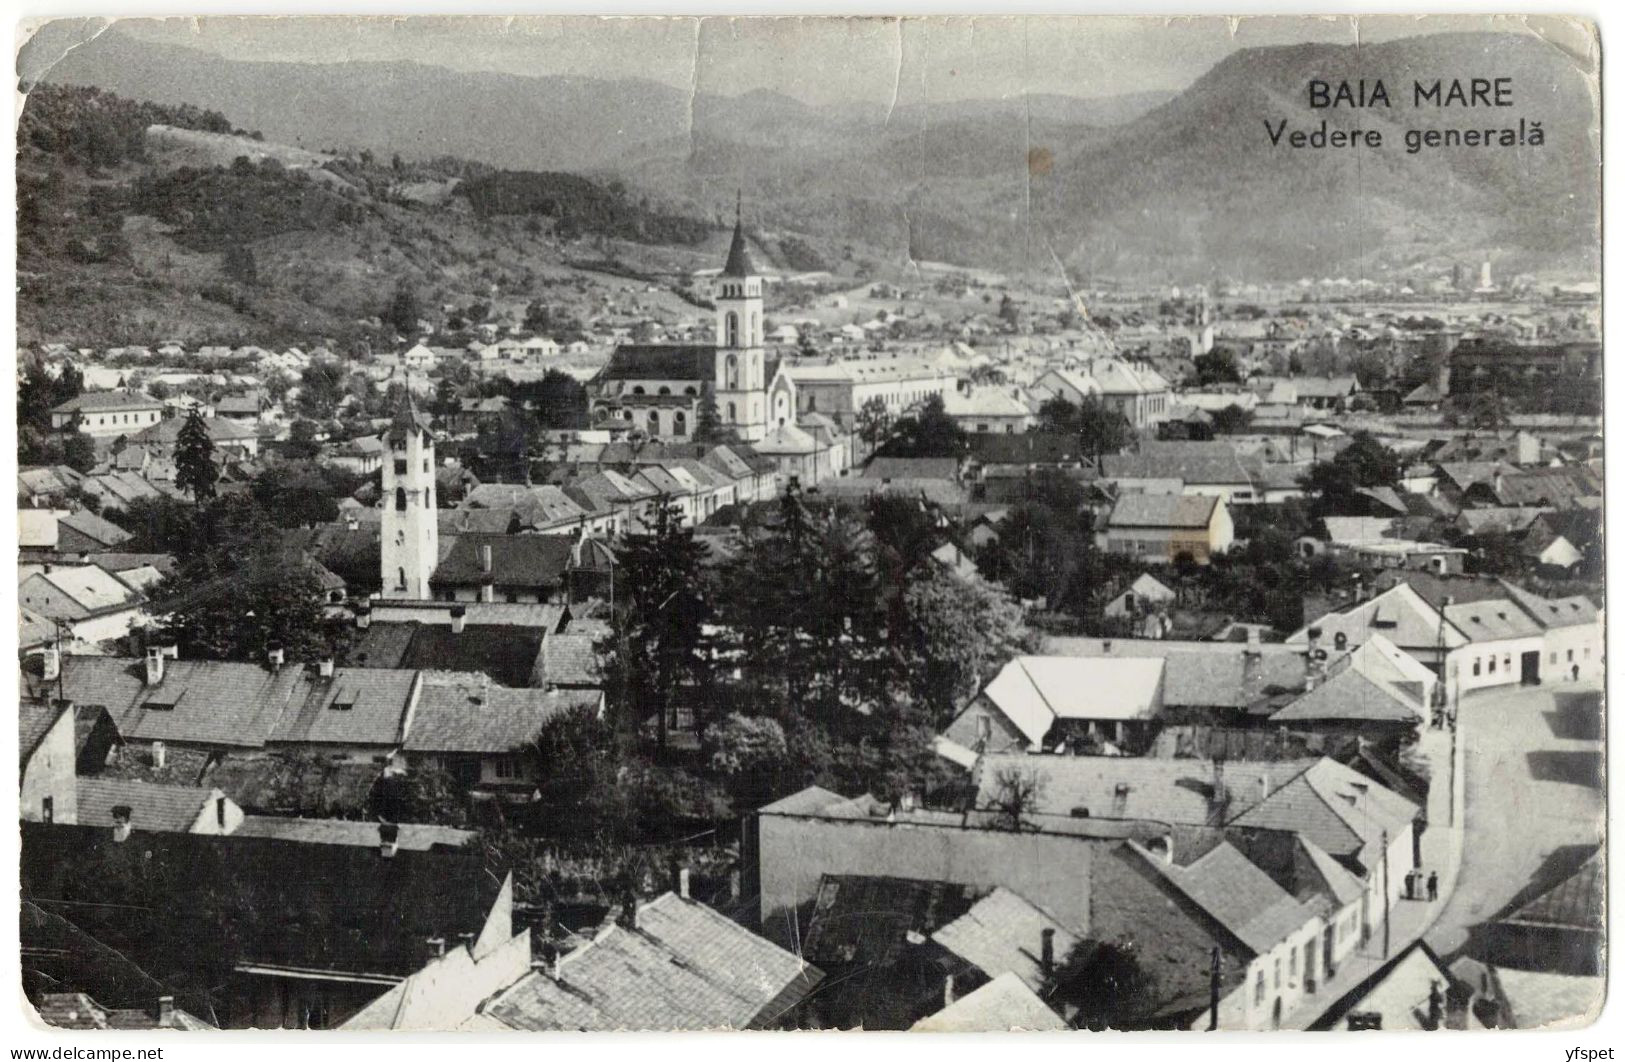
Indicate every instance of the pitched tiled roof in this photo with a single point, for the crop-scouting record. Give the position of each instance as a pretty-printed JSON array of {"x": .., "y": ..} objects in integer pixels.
[
  {"x": 163, "y": 808},
  {"x": 1340, "y": 810},
  {"x": 76, "y": 1010},
  {"x": 107, "y": 402},
  {"x": 507, "y": 654},
  {"x": 1349, "y": 696},
  {"x": 198, "y": 702},
  {"x": 465, "y": 714},
  {"x": 1003, "y": 1004},
  {"x": 1203, "y": 467},
  {"x": 1241, "y": 897},
  {"x": 660, "y": 362},
  {"x": 34, "y": 720},
  {"x": 685, "y": 967},
  {"x": 1003, "y": 933},
  {"x": 1034, "y": 691},
  {"x": 571, "y": 659},
  {"x": 1203, "y": 674},
  {"x": 532, "y": 561},
  {"x": 95, "y": 528},
  {"x": 1575, "y": 903},
  {"x": 1163, "y": 510},
  {"x": 356, "y": 706}
]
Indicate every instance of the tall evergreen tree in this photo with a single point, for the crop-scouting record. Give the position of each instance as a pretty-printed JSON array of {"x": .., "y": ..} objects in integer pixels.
[
  {"x": 658, "y": 645},
  {"x": 195, "y": 472}
]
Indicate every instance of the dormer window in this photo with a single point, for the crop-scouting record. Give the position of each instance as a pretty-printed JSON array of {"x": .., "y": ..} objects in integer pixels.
[{"x": 344, "y": 702}]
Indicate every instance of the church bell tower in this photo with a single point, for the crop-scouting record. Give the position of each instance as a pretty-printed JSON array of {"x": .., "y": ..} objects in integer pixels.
[
  {"x": 410, "y": 544},
  {"x": 741, "y": 390}
]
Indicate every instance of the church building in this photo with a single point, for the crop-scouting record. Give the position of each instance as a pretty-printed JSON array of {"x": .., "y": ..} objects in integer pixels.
[
  {"x": 660, "y": 388},
  {"x": 417, "y": 563}
]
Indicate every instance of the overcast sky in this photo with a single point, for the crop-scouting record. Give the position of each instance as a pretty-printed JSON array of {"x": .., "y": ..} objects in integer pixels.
[{"x": 818, "y": 60}]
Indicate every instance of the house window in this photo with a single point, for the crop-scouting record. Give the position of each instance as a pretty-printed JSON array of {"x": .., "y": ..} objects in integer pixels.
[
  {"x": 1492, "y": 665},
  {"x": 400, "y": 499},
  {"x": 1477, "y": 666},
  {"x": 400, "y": 466},
  {"x": 507, "y": 768},
  {"x": 1571, "y": 656},
  {"x": 1258, "y": 989},
  {"x": 1506, "y": 661},
  {"x": 1552, "y": 659},
  {"x": 731, "y": 331},
  {"x": 1277, "y": 972},
  {"x": 654, "y": 422},
  {"x": 984, "y": 729},
  {"x": 731, "y": 370},
  {"x": 48, "y": 809},
  {"x": 679, "y": 423},
  {"x": 400, "y": 574}
]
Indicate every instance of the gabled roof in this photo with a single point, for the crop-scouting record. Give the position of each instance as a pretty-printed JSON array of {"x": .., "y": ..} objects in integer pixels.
[
  {"x": 685, "y": 967},
  {"x": 1163, "y": 511},
  {"x": 535, "y": 561},
  {"x": 652, "y": 361},
  {"x": 508, "y": 654},
  {"x": 1203, "y": 674},
  {"x": 108, "y": 402},
  {"x": 1004, "y": 1004},
  {"x": 1349, "y": 696},
  {"x": 1575, "y": 903},
  {"x": 1034, "y": 691},
  {"x": 1337, "y": 808},
  {"x": 1002, "y": 933},
  {"x": 1241, "y": 897},
  {"x": 355, "y": 706},
  {"x": 35, "y": 719},
  {"x": 161, "y": 808},
  {"x": 469, "y": 714}
]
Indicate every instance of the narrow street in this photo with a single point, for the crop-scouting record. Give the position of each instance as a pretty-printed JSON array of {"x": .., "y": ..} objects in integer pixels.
[{"x": 1535, "y": 799}]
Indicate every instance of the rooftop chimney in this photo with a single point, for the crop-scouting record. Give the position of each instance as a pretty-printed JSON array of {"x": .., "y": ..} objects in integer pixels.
[
  {"x": 948, "y": 990},
  {"x": 682, "y": 882},
  {"x": 275, "y": 656},
  {"x": 1253, "y": 641},
  {"x": 388, "y": 839},
  {"x": 485, "y": 557},
  {"x": 1047, "y": 951},
  {"x": 51, "y": 663},
  {"x": 363, "y": 617},
  {"x": 325, "y": 667},
  {"x": 155, "y": 665},
  {"x": 122, "y": 815},
  {"x": 165, "y": 1011},
  {"x": 459, "y": 617},
  {"x": 437, "y": 947},
  {"x": 1264, "y": 786},
  {"x": 160, "y": 755}
]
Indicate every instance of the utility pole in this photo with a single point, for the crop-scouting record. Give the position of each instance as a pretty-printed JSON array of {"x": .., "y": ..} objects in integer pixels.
[
  {"x": 1213, "y": 989},
  {"x": 1387, "y": 921}
]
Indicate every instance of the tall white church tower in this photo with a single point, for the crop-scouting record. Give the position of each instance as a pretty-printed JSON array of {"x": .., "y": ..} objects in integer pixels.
[
  {"x": 741, "y": 390},
  {"x": 411, "y": 529}
]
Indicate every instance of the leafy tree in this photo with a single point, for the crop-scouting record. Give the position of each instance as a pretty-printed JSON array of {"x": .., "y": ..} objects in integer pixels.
[
  {"x": 78, "y": 451},
  {"x": 426, "y": 793},
  {"x": 403, "y": 312},
  {"x": 302, "y": 444},
  {"x": 244, "y": 595},
  {"x": 1217, "y": 367},
  {"x": 538, "y": 319},
  {"x": 874, "y": 422},
  {"x": 960, "y": 633},
  {"x": 447, "y": 400},
  {"x": 659, "y": 644},
  {"x": 1231, "y": 420},
  {"x": 1365, "y": 462},
  {"x": 320, "y": 388},
  {"x": 1099, "y": 429},
  {"x": 1108, "y": 983},
  {"x": 708, "y": 426},
  {"x": 578, "y": 760},
  {"x": 928, "y": 432},
  {"x": 748, "y": 753},
  {"x": 195, "y": 471}
]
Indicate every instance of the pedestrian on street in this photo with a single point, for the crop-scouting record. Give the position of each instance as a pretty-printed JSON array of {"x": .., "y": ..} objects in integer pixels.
[{"x": 1433, "y": 885}]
